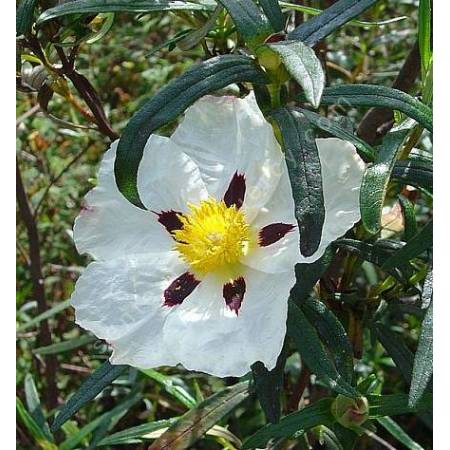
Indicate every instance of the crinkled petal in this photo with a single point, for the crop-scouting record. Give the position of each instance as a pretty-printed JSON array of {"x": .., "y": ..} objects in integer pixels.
[
  {"x": 109, "y": 226},
  {"x": 225, "y": 135},
  {"x": 208, "y": 336},
  {"x": 168, "y": 179},
  {"x": 121, "y": 301},
  {"x": 342, "y": 171}
]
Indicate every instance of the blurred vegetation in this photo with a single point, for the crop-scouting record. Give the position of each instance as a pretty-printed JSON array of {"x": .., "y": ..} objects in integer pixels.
[{"x": 58, "y": 165}]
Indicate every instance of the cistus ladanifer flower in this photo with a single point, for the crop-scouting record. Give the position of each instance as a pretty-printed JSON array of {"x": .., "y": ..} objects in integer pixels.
[{"x": 202, "y": 277}]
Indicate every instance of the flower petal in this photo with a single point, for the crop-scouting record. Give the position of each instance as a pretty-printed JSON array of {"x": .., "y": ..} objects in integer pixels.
[
  {"x": 225, "y": 135},
  {"x": 210, "y": 337},
  {"x": 168, "y": 179},
  {"x": 121, "y": 301},
  {"x": 109, "y": 226},
  {"x": 342, "y": 171}
]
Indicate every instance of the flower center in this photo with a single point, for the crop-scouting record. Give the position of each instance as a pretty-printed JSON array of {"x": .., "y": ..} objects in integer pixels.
[{"x": 214, "y": 237}]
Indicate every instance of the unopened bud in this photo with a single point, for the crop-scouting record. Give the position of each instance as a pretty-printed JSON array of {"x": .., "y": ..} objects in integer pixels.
[
  {"x": 349, "y": 412},
  {"x": 267, "y": 58}
]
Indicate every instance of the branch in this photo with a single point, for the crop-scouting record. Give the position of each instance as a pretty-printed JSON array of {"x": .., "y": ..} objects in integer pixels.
[
  {"x": 378, "y": 121},
  {"x": 35, "y": 266}
]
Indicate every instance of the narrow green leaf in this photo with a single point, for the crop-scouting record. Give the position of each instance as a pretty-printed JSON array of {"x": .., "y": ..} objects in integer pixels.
[
  {"x": 74, "y": 439},
  {"x": 171, "y": 101},
  {"x": 333, "y": 334},
  {"x": 409, "y": 217},
  {"x": 196, "y": 422},
  {"x": 427, "y": 290},
  {"x": 307, "y": 275},
  {"x": 313, "y": 352},
  {"x": 421, "y": 242},
  {"x": 250, "y": 21},
  {"x": 96, "y": 382},
  {"x": 303, "y": 163},
  {"x": 423, "y": 360},
  {"x": 32, "y": 427},
  {"x": 415, "y": 173},
  {"x": 397, "y": 350},
  {"x": 304, "y": 66},
  {"x": 34, "y": 406},
  {"x": 65, "y": 346},
  {"x": 268, "y": 386},
  {"x": 366, "y": 151},
  {"x": 168, "y": 383},
  {"x": 273, "y": 12},
  {"x": 319, "y": 413},
  {"x": 381, "y": 96},
  {"x": 396, "y": 404},
  {"x": 46, "y": 315},
  {"x": 136, "y": 435},
  {"x": 425, "y": 36},
  {"x": 395, "y": 430},
  {"x": 24, "y": 16},
  {"x": 108, "y": 6},
  {"x": 332, "y": 18},
  {"x": 376, "y": 178}
]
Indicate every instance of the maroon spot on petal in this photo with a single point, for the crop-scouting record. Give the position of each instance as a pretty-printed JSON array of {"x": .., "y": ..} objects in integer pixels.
[
  {"x": 273, "y": 233},
  {"x": 179, "y": 289},
  {"x": 233, "y": 293},
  {"x": 170, "y": 220},
  {"x": 236, "y": 191}
]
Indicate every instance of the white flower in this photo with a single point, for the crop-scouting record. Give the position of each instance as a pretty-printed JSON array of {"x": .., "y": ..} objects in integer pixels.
[{"x": 203, "y": 276}]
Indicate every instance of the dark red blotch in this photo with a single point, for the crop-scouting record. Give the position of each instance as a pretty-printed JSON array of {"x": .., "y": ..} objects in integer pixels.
[
  {"x": 179, "y": 289},
  {"x": 274, "y": 232},
  {"x": 233, "y": 293}
]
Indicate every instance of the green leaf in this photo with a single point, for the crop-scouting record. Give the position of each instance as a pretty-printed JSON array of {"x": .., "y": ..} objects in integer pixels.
[
  {"x": 396, "y": 404},
  {"x": 96, "y": 382},
  {"x": 313, "y": 352},
  {"x": 108, "y": 6},
  {"x": 46, "y": 315},
  {"x": 333, "y": 334},
  {"x": 304, "y": 66},
  {"x": 168, "y": 383},
  {"x": 34, "y": 406},
  {"x": 32, "y": 427},
  {"x": 366, "y": 151},
  {"x": 423, "y": 360},
  {"x": 415, "y": 173},
  {"x": 319, "y": 413},
  {"x": 381, "y": 96},
  {"x": 273, "y": 12},
  {"x": 409, "y": 216},
  {"x": 395, "y": 430},
  {"x": 268, "y": 386},
  {"x": 171, "y": 101},
  {"x": 24, "y": 16},
  {"x": 250, "y": 21},
  {"x": 420, "y": 243},
  {"x": 427, "y": 290},
  {"x": 303, "y": 163},
  {"x": 136, "y": 435},
  {"x": 114, "y": 414},
  {"x": 425, "y": 36},
  {"x": 397, "y": 350},
  {"x": 341, "y": 12},
  {"x": 308, "y": 274},
  {"x": 196, "y": 422},
  {"x": 375, "y": 181},
  {"x": 65, "y": 346}
]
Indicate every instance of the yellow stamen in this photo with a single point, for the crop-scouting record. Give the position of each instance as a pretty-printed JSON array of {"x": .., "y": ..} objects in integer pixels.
[{"x": 214, "y": 238}]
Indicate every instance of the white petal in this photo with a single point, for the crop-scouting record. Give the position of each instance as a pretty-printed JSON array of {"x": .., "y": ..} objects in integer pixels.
[
  {"x": 120, "y": 300},
  {"x": 342, "y": 171},
  {"x": 168, "y": 178},
  {"x": 211, "y": 338},
  {"x": 227, "y": 134},
  {"x": 109, "y": 226}
]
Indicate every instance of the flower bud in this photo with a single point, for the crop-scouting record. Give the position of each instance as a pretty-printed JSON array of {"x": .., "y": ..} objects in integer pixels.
[
  {"x": 349, "y": 412},
  {"x": 267, "y": 58}
]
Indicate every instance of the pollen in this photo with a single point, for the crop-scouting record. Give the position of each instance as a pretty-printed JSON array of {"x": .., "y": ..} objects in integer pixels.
[{"x": 214, "y": 237}]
